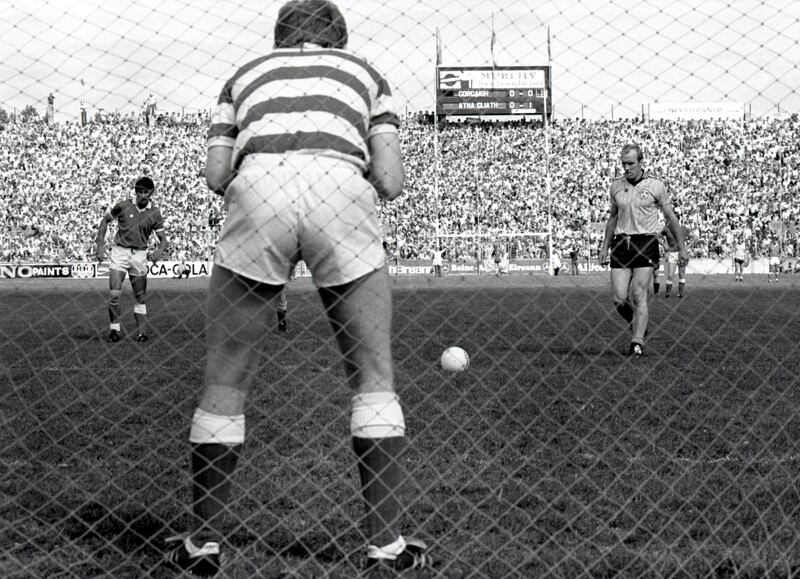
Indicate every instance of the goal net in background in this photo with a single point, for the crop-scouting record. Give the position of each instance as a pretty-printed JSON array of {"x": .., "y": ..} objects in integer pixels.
[{"x": 553, "y": 455}]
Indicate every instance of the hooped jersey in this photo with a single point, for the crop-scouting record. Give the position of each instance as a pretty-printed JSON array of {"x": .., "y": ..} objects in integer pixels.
[{"x": 314, "y": 100}]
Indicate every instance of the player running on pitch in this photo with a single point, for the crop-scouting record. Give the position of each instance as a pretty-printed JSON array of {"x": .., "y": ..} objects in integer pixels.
[
  {"x": 632, "y": 238},
  {"x": 136, "y": 221},
  {"x": 301, "y": 144}
]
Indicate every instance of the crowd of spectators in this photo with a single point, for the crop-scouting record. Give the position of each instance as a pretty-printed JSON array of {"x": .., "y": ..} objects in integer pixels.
[
  {"x": 57, "y": 181},
  {"x": 727, "y": 179},
  {"x": 486, "y": 186}
]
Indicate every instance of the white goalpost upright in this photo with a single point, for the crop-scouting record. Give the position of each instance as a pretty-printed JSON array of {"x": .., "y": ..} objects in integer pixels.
[
  {"x": 480, "y": 235},
  {"x": 547, "y": 179}
]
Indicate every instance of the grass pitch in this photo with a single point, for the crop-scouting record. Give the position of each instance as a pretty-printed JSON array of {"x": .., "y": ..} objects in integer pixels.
[{"x": 554, "y": 455}]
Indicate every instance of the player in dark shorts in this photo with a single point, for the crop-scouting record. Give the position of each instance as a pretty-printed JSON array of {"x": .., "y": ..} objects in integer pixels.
[
  {"x": 631, "y": 238},
  {"x": 136, "y": 221},
  {"x": 739, "y": 259}
]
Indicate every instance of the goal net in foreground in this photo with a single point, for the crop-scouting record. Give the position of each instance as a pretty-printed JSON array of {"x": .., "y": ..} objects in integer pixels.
[{"x": 553, "y": 454}]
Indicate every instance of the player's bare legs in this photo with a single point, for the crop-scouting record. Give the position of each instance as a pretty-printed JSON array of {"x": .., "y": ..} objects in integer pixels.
[
  {"x": 670, "y": 267},
  {"x": 638, "y": 292},
  {"x": 656, "y": 285},
  {"x": 681, "y": 279},
  {"x": 629, "y": 288},
  {"x": 139, "y": 286},
  {"x": 620, "y": 288},
  {"x": 361, "y": 314},
  {"x": 115, "y": 280},
  {"x": 238, "y": 313}
]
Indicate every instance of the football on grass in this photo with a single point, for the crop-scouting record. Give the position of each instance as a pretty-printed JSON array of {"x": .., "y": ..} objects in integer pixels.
[{"x": 454, "y": 359}]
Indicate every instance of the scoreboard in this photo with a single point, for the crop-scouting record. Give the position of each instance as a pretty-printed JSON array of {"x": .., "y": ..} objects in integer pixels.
[{"x": 487, "y": 90}]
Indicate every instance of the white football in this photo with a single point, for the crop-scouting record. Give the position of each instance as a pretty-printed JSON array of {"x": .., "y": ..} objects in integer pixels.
[{"x": 454, "y": 359}]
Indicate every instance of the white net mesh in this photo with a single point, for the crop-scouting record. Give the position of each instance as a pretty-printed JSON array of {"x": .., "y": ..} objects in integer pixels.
[{"x": 553, "y": 454}]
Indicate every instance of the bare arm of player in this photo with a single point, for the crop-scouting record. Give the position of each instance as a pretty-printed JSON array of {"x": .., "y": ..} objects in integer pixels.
[
  {"x": 219, "y": 173},
  {"x": 101, "y": 236},
  {"x": 611, "y": 225},
  {"x": 162, "y": 247},
  {"x": 675, "y": 226},
  {"x": 386, "y": 172}
]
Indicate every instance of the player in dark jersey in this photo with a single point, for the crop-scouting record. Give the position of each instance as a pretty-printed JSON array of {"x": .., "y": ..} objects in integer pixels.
[
  {"x": 136, "y": 221},
  {"x": 302, "y": 143}
]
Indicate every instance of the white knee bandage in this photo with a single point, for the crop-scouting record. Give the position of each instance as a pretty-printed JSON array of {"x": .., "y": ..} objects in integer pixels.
[
  {"x": 208, "y": 428},
  {"x": 140, "y": 309},
  {"x": 377, "y": 415}
]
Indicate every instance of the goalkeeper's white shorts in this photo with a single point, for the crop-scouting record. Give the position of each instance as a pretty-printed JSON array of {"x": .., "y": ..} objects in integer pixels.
[{"x": 284, "y": 208}]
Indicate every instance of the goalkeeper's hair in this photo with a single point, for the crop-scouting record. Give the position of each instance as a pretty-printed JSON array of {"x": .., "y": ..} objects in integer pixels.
[{"x": 315, "y": 21}]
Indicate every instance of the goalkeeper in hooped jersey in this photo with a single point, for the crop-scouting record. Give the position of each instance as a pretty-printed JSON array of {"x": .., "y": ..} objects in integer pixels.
[{"x": 302, "y": 144}]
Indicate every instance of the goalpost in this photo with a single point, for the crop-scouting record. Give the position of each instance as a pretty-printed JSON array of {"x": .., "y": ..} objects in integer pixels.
[{"x": 513, "y": 89}]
